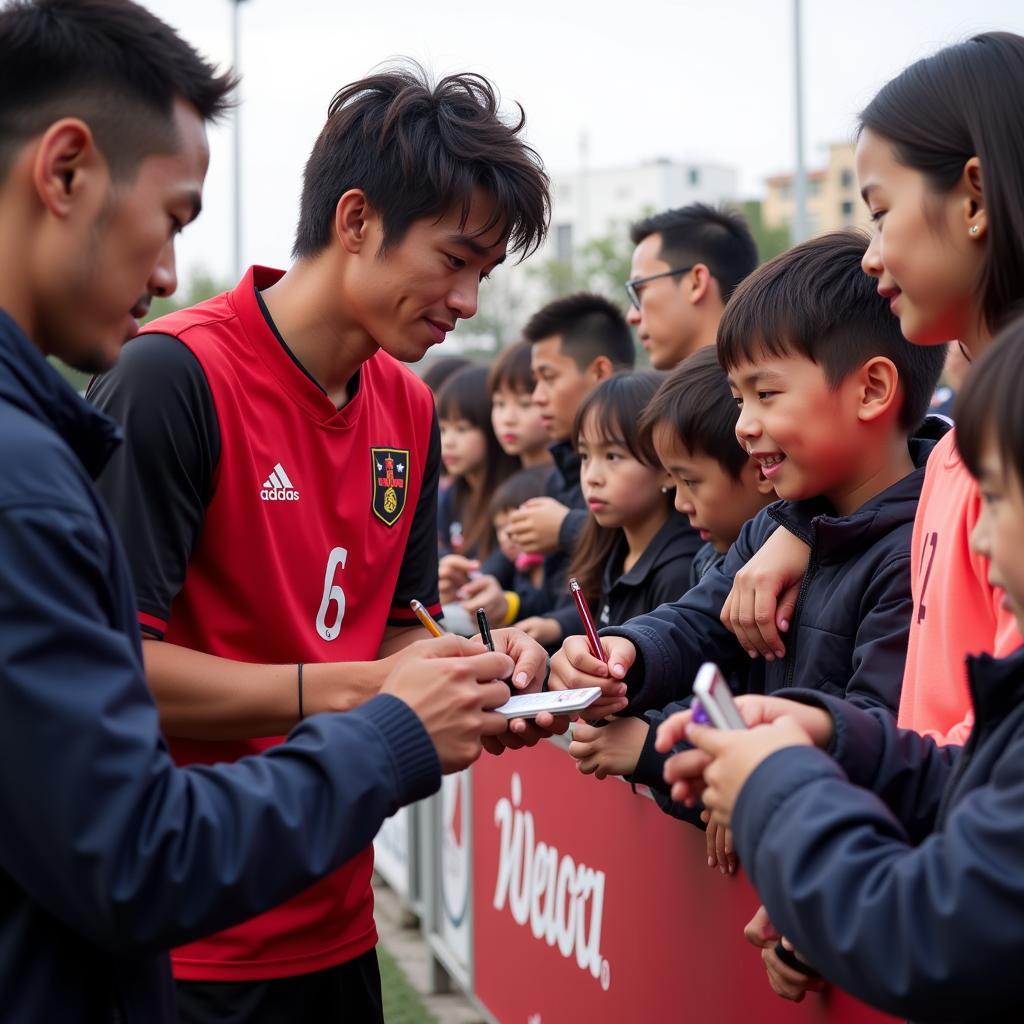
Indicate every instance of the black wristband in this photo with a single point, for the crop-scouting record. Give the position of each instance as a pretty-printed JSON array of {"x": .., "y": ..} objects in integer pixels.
[
  {"x": 298, "y": 667},
  {"x": 790, "y": 959}
]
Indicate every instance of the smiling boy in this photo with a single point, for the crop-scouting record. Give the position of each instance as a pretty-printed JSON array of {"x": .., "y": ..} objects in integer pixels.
[
  {"x": 277, "y": 490},
  {"x": 829, "y": 393}
]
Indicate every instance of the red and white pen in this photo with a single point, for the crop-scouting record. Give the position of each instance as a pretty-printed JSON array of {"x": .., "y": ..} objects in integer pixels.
[{"x": 587, "y": 619}]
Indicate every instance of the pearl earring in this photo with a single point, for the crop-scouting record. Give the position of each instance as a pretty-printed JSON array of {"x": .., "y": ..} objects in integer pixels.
[
  {"x": 664, "y": 490},
  {"x": 974, "y": 229}
]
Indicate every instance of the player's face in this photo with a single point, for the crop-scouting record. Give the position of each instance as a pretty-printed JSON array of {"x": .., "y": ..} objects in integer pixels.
[
  {"x": 414, "y": 292},
  {"x": 925, "y": 260},
  {"x": 108, "y": 261},
  {"x": 999, "y": 532}
]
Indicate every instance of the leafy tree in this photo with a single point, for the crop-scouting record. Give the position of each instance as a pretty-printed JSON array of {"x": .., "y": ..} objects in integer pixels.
[
  {"x": 770, "y": 241},
  {"x": 600, "y": 265}
]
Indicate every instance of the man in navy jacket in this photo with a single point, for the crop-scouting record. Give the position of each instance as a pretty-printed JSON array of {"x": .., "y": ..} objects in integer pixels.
[{"x": 108, "y": 852}]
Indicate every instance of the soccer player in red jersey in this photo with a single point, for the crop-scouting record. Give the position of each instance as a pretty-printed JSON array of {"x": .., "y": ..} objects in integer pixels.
[{"x": 277, "y": 491}]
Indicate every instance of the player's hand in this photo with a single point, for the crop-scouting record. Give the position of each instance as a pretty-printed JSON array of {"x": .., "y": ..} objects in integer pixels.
[
  {"x": 574, "y": 668},
  {"x": 784, "y": 980},
  {"x": 453, "y": 573},
  {"x": 487, "y": 593},
  {"x": 544, "y": 630},
  {"x": 613, "y": 750},
  {"x": 452, "y": 697},
  {"x": 531, "y": 662},
  {"x": 721, "y": 851},
  {"x": 762, "y": 601},
  {"x": 535, "y": 525}
]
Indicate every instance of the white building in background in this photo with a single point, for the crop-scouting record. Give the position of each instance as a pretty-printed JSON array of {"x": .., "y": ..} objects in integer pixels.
[{"x": 598, "y": 203}]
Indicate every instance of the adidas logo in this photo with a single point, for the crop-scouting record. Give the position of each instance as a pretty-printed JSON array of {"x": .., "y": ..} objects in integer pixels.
[{"x": 277, "y": 486}]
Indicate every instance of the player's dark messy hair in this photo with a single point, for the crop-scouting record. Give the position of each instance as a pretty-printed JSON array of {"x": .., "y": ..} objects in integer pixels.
[{"x": 420, "y": 150}]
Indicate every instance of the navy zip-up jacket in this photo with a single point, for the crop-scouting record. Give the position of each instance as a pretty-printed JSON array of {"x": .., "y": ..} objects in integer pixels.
[
  {"x": 852, "y": 617},
  {"x": 907, "y": 887},
  {"x": 109, "y": 853}
]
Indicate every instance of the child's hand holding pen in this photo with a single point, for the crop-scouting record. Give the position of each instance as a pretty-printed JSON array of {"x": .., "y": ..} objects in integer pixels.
[{"x": 590, "y": 660}]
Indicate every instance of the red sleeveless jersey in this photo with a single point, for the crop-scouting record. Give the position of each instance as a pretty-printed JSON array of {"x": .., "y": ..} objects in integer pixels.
[{"x": 298, "y": 559}]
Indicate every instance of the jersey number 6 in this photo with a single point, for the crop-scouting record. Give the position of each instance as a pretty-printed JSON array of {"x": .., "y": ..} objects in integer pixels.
[{"x": 333, "y": 596}]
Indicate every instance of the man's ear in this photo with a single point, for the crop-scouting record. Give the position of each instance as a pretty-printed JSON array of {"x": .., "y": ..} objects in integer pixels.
[
  {"x": 752, "y": 475},
  {"x": 65, "y": 163},
  {"x": 701, "y": 284},
  {"x": 352, "y": 219},
  {"x": 878, "y": 388},
  {"x": 601, "y": 368}
]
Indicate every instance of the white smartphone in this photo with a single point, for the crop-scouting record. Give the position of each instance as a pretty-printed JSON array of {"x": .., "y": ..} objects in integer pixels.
[
  {"x": 558, "y": 702},
  {"x": 711, "y": 689}
]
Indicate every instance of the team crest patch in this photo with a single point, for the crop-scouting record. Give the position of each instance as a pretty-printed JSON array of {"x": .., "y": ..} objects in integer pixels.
[{"x": 390, "y": 467}]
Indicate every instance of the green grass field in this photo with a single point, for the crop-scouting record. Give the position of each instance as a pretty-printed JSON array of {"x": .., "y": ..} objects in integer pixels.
[{"x": 402, "y": 1004}]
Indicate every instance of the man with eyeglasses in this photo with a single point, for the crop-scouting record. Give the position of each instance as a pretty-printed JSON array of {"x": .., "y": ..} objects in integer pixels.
[{"x": 686, "y": 264}]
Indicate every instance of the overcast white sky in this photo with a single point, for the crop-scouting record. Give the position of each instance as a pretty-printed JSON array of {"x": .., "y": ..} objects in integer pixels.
[{"x": 644, "y": 78}]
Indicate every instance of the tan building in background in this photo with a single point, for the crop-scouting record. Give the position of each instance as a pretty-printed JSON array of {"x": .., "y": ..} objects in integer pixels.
[{"x": 833, "y": 200}]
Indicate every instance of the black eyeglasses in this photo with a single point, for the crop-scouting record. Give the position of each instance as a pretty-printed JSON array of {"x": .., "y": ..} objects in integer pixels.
[{"x": 632, "y": 287}]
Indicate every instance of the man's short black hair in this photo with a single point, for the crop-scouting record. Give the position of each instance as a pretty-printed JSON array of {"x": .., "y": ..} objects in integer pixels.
[
  {"x": 589, "y": 326},
  {"x": 718, "y": 238},
  {"x": 419, "y": 150},
  {"x": 815, "y": 300},
  {"x": 696, "y": 403},
  {"x": 108, "y": 62}
]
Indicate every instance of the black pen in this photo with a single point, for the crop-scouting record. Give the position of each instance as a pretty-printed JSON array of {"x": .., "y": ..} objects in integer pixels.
[
  {"x": 485, "y": 635},
  {"x": 485, "y": 629}
]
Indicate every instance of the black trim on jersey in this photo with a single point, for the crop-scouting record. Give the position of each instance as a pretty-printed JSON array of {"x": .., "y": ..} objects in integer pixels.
[
  {"x": 351, "y": 388},
  {"x": 159, "y": 482},
  {"x": 417, "y": 578}
]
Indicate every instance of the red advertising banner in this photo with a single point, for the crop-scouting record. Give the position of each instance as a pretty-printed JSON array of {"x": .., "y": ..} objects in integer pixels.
[{"x": 590, "y": 904}]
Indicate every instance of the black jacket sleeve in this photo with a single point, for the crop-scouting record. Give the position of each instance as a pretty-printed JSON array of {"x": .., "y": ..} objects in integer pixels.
[
  {"x": 673, "y": 641},
  {"x": 909, "y": 772},
  {"x": 158, "y": 484},
  {"x": 100, "y": 828}
]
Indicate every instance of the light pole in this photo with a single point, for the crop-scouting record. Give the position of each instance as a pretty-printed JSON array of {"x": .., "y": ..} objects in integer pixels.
[
  {"x": 800, "y": 229},
  {"x": 237, "y": 197}
]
